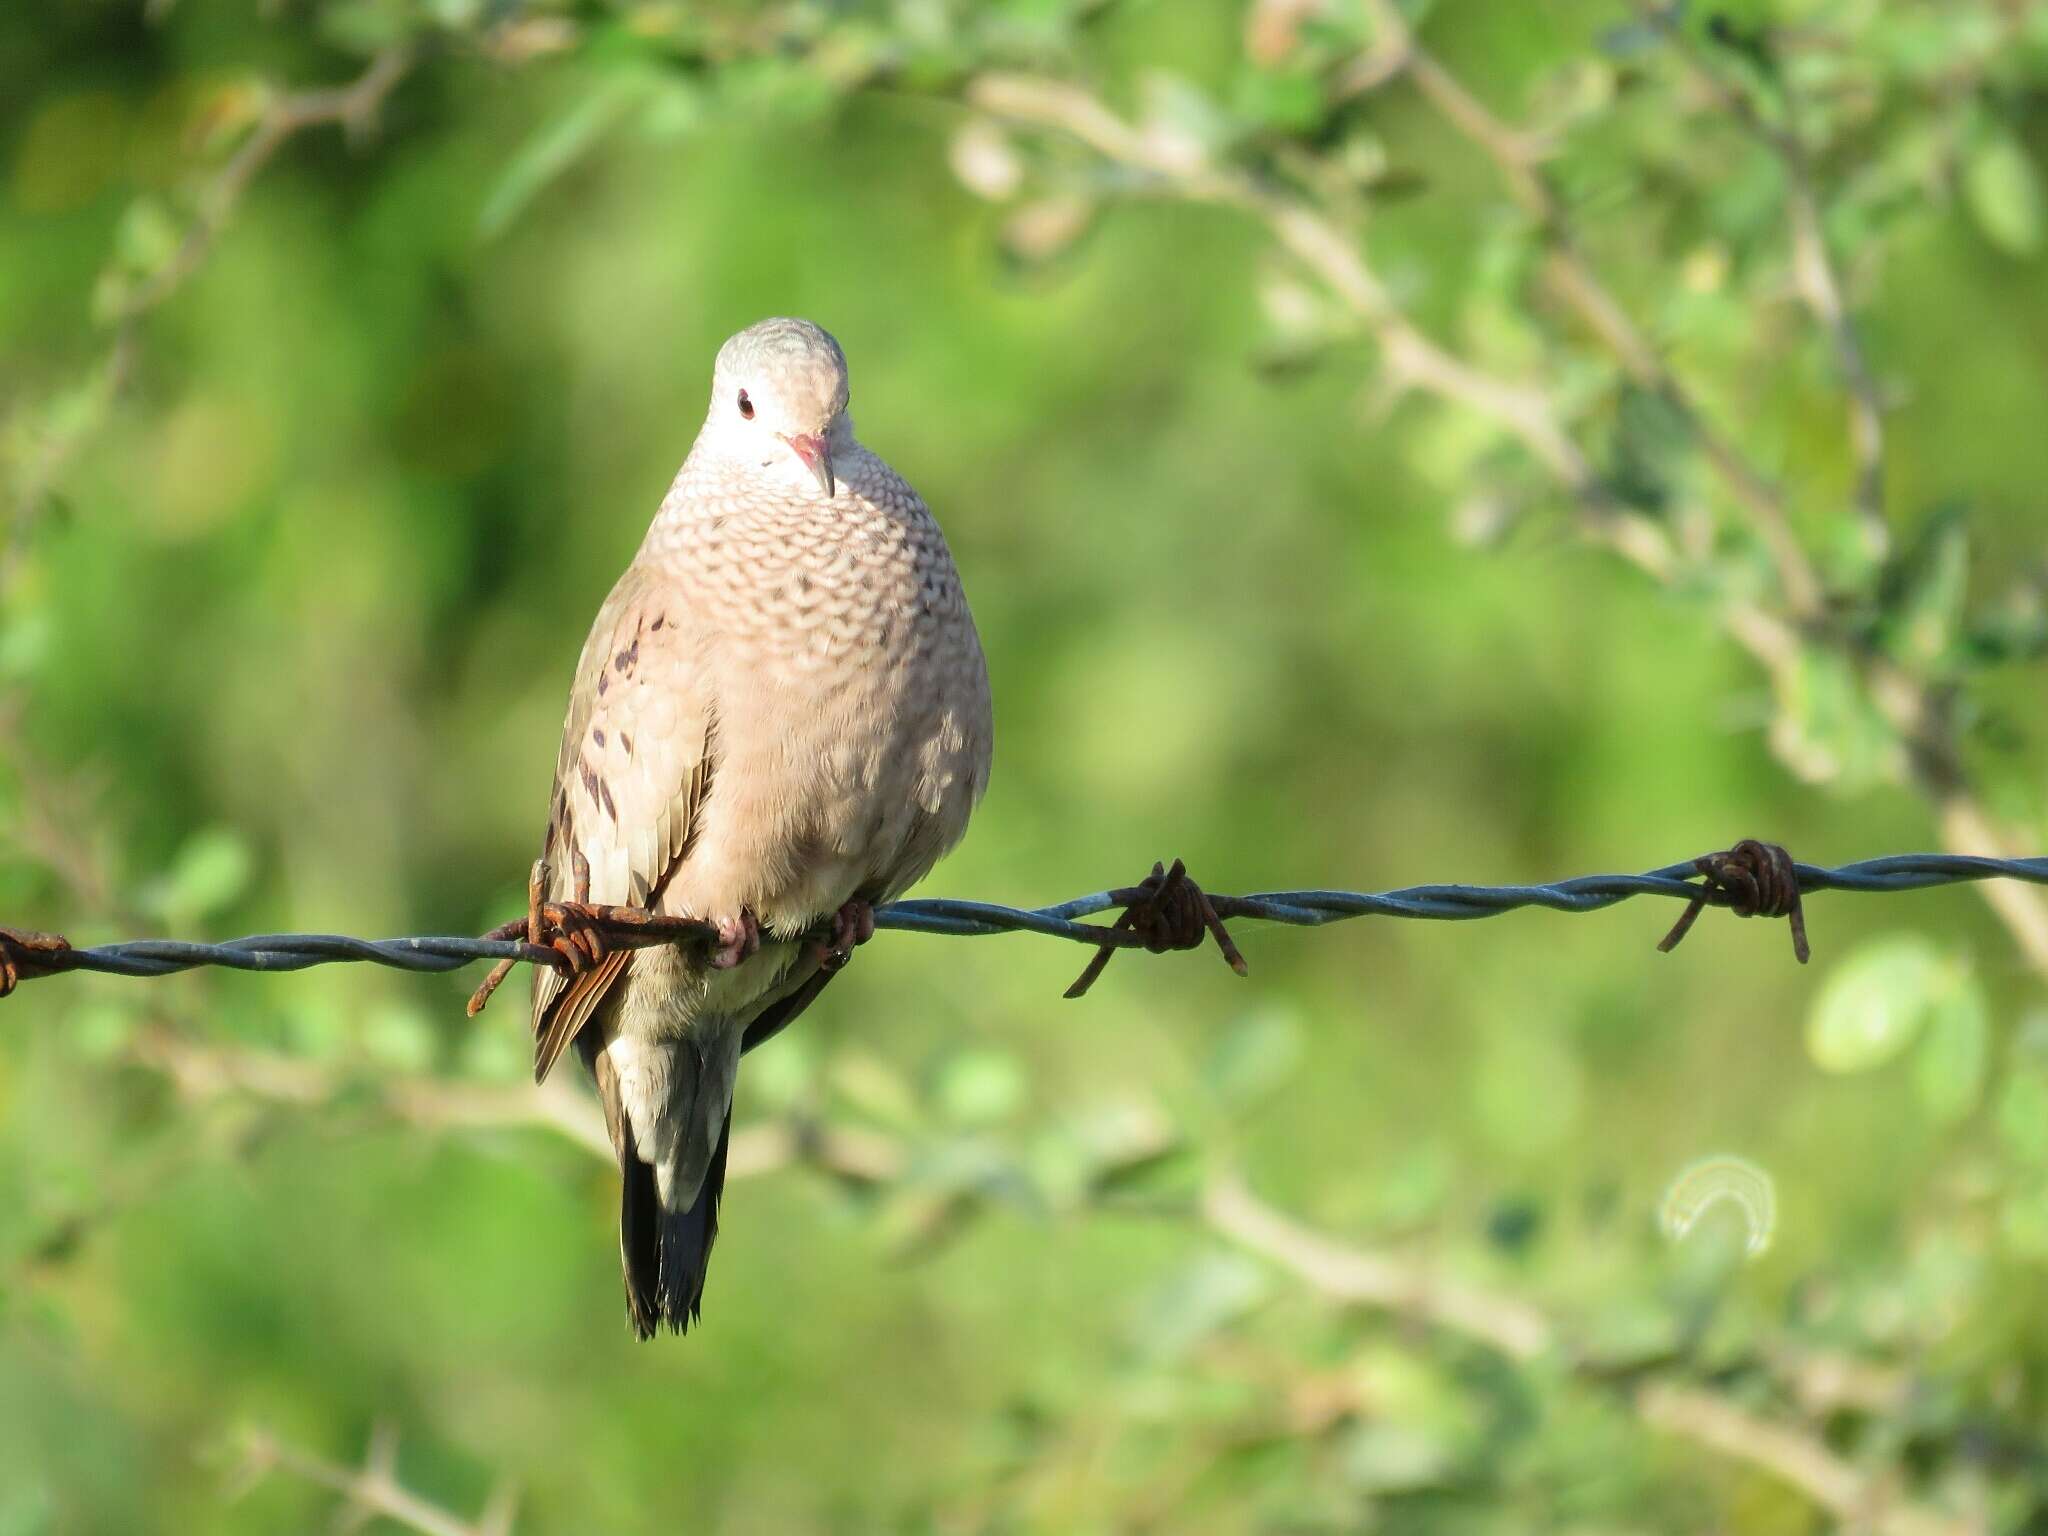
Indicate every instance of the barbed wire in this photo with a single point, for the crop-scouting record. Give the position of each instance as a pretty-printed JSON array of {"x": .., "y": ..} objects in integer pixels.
[{"x": 1166, "y": 911}]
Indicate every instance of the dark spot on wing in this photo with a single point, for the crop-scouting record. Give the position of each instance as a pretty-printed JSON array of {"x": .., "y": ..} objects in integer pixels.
[
  {"x": 591, "y": 782},
  {"x": 597, "y": 735},
  {"x": 659, "y": 620},
  {"x": 562, "y": 831},
  {"x": 604, "y": 793},
  {"x": 602, "y": 679},
  {"x": 626, "y": 742},
  {"x": 625, "y": 659}
]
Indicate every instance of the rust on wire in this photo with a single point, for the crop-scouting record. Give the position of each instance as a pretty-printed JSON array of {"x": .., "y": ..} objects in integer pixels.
[
  {"x": 1166, "y": 910},
  {"x": 25, "y": 954},
  {"x": 1752, "y": 879}
]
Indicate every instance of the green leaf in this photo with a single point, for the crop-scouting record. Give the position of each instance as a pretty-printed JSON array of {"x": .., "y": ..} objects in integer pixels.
[
  {"x": 1197, "y": 1300},
  {"x": 1528, "y": 1089},
  {"x": 2023, "y": 1114},
  {"x": 100, "y": 1030},
  {"x": 1651, "y": 443},
  {"x": 557, "y": 147},
  {"x": 1925, "y": 600},
  {"x": 674, "y": 110},
  {"x": 1255, "y": 1056},
  {"x": 148, "y": 237},
  {"x": 1955, "y": 1045},
  {"x": 1875, "y": 1002},
  {"x": 209, "y": 873},
  {"x": 979, "y": 1087},
  {"x": 2023, "y": 1221},
  {"x": 1182, "y": 122},
  {"x": 28, "y": 1509},
  {"x": 365, "y": 26},
  {"x": 780, "y": 1079},
  {"x": 1827, "y": 731},
  {"x": 1382, "y": 1457},
  {"x": 399, "y": 1037},
  {"x": 1291, "y": 102},
  {"x": 2003, "y": 193},
  {"x": 875, "y": 1089}
]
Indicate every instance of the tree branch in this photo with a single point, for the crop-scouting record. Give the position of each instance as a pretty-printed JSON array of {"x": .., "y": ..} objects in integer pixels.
[
  {"x": 1518, "y": 156},
  {"x": 1860, "y": 1501},
  {"x": 1522, "y": 1332},
  {"x": 353, "y": 107},
  {"x": 1414, "y": 360},
  {"x": 202, "y": 1071},
  {"x": 372, "y": 1490},
  {"x": 1815, "y": 277}
]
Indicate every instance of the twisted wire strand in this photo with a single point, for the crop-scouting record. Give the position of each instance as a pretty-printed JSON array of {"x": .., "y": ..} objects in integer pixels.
[{"x": 974, "y": 919}]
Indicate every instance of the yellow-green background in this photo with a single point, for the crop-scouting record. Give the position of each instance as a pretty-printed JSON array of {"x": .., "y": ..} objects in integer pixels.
[{"x": 289, "y": 648}]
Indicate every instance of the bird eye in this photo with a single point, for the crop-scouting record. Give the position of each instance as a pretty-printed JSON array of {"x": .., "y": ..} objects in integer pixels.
[{"x": 746, "y": 406}]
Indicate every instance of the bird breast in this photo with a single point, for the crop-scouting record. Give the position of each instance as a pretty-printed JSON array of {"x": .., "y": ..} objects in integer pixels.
[{"x": 853, "y": 724}]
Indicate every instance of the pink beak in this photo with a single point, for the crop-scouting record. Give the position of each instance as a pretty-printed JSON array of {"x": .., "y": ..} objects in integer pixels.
[{"x": 816, "y": 454}]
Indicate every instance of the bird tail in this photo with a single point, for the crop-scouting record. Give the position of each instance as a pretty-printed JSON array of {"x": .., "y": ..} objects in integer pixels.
[
  {"x": 666, "y": 1224},
  {"x": 667, "y": 1251}
]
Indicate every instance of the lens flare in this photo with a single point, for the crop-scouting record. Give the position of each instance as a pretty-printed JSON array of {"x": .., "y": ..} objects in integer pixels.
[{"x": 1710, "y": 1181}]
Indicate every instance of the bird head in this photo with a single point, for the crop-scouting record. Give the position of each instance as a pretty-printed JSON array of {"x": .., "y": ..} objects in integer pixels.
[{"x": 778, "y": 399}]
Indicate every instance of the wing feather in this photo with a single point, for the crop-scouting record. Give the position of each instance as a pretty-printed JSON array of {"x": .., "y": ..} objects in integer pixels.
[{"x": 635, "y": 767}]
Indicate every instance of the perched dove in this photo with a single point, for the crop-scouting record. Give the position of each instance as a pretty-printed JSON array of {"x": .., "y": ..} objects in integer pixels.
[{"x": 780, "y": 718}]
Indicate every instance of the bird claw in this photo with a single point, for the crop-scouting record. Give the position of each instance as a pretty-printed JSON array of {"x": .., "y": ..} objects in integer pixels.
[
  {"x": 853, "y": 924},
  {"x": 574, "y": 935},
  {"x": 572, "y": 930},
  {"x": 738, "y": 938}
]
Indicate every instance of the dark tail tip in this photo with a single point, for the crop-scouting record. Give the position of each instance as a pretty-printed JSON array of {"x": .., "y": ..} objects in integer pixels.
[{"x": 667, "y": 1253}]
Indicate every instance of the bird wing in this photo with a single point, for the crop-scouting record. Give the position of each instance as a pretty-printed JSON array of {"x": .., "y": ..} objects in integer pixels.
[{"x": 638, "y": 750}]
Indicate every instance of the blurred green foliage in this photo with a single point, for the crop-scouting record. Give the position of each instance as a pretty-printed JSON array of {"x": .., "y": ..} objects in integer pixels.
[{"x": 328, "y": 422}]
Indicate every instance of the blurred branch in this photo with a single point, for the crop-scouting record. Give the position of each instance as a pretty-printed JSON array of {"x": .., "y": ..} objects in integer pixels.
[
  {"x": 1519, "y": 158},
  {"x": 201, "y": 1071},
  {"x": 1362, "y": 1278},
  {"x": 353, "y": 107},
  {"x": 1315, "y": 239},
  {"x": 1908, "y": 703},
  {"x": 1912, "y": 705},
  {"x": 372, "y": 1490},
  {"x": 1500, "y": 1320},
  {"x": 1861, "y": 1502},
  {"x": 1815, "y": 276},
  {"x": 1522, "y": 1331},
  {"x": 55, "y": 822}
]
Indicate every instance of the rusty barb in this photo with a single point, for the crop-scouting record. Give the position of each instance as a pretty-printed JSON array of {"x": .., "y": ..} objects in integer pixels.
[
  {"x": 1165, "y": 911},
  {"x": 1755, "y": 880},
  {"x": 25, "y": 955}
]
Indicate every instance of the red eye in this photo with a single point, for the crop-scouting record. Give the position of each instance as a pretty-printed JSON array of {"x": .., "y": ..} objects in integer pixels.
[{"x": 746, "y": 406}]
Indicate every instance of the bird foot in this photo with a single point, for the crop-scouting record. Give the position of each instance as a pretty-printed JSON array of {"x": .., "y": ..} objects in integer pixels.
[
  {"x": 572, "y": 929},
  {"x": 852, "y": 924},
  {"x": 738, "y": 938},
  {"x": 569, "y": 928}
]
